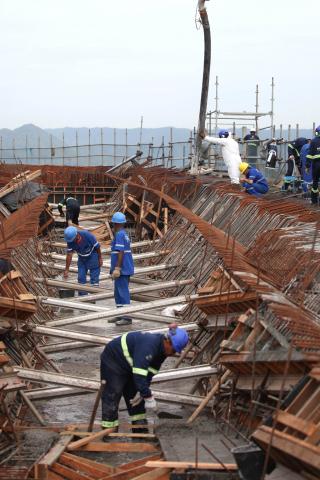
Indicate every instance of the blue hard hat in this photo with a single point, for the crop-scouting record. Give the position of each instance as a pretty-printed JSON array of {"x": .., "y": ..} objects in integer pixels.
[
  {"x": 118, "y": 217},
  {"x": 70, "y": 234},
  {"x": 317, "y": 130},
  {"x": 223, "y": 134},
  {"x": 179, "y": 338}
]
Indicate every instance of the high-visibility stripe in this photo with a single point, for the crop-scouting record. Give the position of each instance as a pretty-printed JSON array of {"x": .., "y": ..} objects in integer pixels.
[
  {"x": 153, "y": 370},
  {"x": 125, "y": 349},
  {"x": 107, "y": 424},
  {"x": 315, "y": 157},
  {"x": 119, "y": 245},
  {"x": 139, "y": 416},
  {"x": 140, "y": 371},
  {"x": 313, "y": 190}
]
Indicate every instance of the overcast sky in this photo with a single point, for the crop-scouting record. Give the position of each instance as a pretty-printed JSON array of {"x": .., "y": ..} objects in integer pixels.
[{"x": 106, "y": 63}]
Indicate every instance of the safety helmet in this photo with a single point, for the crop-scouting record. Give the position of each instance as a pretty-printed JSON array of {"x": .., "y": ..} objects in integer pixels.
[
  {"x": 179, "y": 337},
  {"x": 118, "y": 217},
  {"x": 243, "y": 166},
  {"x": 317, "y": 130},
  {"x": 70, "y": 234},
  {"x": 223, "y": 134}
]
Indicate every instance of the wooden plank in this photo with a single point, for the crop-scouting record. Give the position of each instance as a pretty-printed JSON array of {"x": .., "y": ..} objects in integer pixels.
[
  {"x": 128, "y": 474},
  {"x": 94, "y": 469},
  {"x": 298, "y": 449},
  {"x": 26, "y": 297},
  {"x": 112, "y": 435},
  {"x": 68, "y": 473},
  {"x": 186, "y": 465},
  {"x": 17, "y": 304},
  {"x": 53, "y": 476},
  {"x": 118, "y": 447},
  {"x": 2, "y": 346},
  {"x": 296, "y": 423},
  {"x": 42, "y": 467},
  {"x": 4, "y": 358},
  {"x": 14, "y": 274},
  {"x": 140, "y": 461},
  {"x": 157, "y": 473},
  {"x": 84, "y": 441}
]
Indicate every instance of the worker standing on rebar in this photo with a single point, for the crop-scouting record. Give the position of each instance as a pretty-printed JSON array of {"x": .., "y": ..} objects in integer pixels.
[
  {"x": 128, "y": 364},
  {"x": 230, "y": 153},
  {"x": 122, "y": 266},
  {"x": 253, "y": 180},
  {"x": 306, "y": 173},
  {"x": 313, "y": 159},
  {"x": 72, "y": 209},
  {"x": 252, "y": 143},
  {"x": 89, "y": 255}
]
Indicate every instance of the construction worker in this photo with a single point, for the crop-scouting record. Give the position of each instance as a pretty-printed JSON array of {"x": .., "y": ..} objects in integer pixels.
[
  {"x": 122, "y": 266},
  {"x": 313, "y": 159},
  {"x": 251, "y": 141},
  {"x": 230, "y": 153},
  {"x": 128, "y": 364},
  {"x": 253, "y": 180},
  {"x": 89, "y": 255},
  {"x": 72, "y": 210},
  {"x": 306, "y": 173},
  {"x": 294, "y": 149}
]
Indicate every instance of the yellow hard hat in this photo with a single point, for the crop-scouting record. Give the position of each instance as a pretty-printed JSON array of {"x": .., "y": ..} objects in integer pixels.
[{"x": 243, "y": 166}]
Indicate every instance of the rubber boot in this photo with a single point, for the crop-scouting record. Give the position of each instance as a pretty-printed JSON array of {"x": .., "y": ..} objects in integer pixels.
[{"x": 140, "y": 422}]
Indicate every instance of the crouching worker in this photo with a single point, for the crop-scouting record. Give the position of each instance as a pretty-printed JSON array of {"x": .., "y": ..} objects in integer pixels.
[
  {"x": 253, "y": 180},
  {"x": 89, "y": 255},
  {"x": 128, "y": 364},
  {"x": 122, "y": 266}
]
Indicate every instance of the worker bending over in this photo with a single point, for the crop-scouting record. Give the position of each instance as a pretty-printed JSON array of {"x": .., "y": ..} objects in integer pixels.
[
  {"x": 230, "y": 153},
  {"x": 122, "y": 266},
  {"x": 253, "y": 180},
  {"x": 128, "y": 364},
  {"x": 89, "y": 255},
  {"x": 313, "y": 159},
  {"x": 72, "y": 210}
]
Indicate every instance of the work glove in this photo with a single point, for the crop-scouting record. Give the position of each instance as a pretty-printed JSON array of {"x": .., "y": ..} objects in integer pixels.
[
  {"x": 116, "y": 273},
  {"x": 136, "y": 400},
  {"x": 307, "y": 170},
  {"x": 291, "y": 157},
  {"x": 150, "y": 403}
]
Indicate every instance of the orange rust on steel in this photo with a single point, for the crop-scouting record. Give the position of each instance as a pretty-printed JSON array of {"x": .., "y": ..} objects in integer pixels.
[{"x": 21, "y": 225}]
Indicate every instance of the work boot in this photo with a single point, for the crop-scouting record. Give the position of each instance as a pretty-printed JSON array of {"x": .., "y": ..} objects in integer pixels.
[
  {"x": 107, "y": 438},
  {"x": 124, "y": 321},
  {"x": 113, "y": 320},
  {"x": 140, "y": 422}
]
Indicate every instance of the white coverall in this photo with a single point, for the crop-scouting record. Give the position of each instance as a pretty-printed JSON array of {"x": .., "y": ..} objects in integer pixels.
[{"x": 230, "y": 155}]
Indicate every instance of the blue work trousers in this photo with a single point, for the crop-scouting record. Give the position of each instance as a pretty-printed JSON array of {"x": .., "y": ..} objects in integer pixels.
[
  {"x": 118, "y": 383},
  {"x": 90, "y": 264},
  {"x": 256, "y": 189},
  {"x": 122, "y": 292}
]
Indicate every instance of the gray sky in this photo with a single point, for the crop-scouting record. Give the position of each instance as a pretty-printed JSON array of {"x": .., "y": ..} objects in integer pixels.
[{"x": 106, "y": 63}]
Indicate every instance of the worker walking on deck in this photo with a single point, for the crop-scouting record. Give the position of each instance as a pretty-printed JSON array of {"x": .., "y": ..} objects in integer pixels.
[
  {"x": 253, "y": 180},
  {"x": 89, "y": 255},
  {"x": 72, "y": 210},
  {"x": 128, "y": 364},
  {"x": 230, "y": 153},
  {"x": 122, "y": 266},
  {"x": 313, "y": 159}
]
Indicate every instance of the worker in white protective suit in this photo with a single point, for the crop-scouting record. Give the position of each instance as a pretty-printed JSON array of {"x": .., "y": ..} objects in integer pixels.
[{"x": 230, "y": 153}]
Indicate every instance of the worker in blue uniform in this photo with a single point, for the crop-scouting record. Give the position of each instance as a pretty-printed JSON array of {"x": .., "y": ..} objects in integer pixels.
[
  {"x": 72, "y": 209},
  {"x": 253, "y": 180},
  {"x": 128, "y": 364},
  {"x": 89, "y": 255},
  {"x": 313, "y": 159},
  {"x": 122, "y": 266}
]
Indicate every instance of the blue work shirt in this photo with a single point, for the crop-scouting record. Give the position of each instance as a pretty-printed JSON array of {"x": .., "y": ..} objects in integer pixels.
[
  {"x": 146, "y": 352},
  {"x": 256, "y": 176},
  {"x": 86, "y": 247},
  {"x": 121, "y": 243}
]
